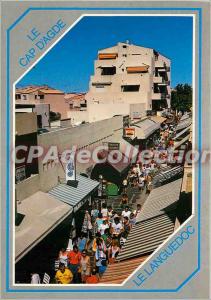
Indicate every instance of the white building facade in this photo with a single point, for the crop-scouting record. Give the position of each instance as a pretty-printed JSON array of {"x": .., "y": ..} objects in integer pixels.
[{"x": 128, "y": 79}]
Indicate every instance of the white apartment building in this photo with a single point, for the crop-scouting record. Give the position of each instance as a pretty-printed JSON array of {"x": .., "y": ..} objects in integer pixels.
[{"x": 128, "y": 79}]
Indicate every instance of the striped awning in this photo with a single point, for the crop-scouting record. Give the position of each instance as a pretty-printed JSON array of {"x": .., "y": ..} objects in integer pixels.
[
  {"x": 182, "y": 132},
  {"x": 118, "y": 272},
  {"x": 146, "y": 236},
  {"x": 167, "y": 176},
  {"x": 160, "y": 200},
  {"x": 183, "y": 124},
  {"x": 184, "y": 140},
  {"x": 107, "y": 55},
  {"x": 75, "y": 195}
]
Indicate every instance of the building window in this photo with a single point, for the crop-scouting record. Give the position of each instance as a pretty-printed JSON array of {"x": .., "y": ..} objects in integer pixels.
[
  {"x": 17, "y": 96},
  {"x": 83, "y": 105},
  {"x": 99, "y": 86},
  {"x": 39, "y": 97},
  {"x": 24, "y": 97},
  {"x": 124, "y": 46},
  {"x": 130, "y": 88},
  {"x": 108, "y": 71},
  {"x": 124, "y": 55}
]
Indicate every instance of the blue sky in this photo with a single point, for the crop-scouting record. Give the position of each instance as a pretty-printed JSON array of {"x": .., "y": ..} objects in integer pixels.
[{"x": 70, "y": 63}]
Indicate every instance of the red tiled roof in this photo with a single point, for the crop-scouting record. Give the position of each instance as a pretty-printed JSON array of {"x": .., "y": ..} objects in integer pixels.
[
  {"x": 72, "y": 96},
  {"x": 42, "y": 89},
  {"x": 116, "y": 273}
]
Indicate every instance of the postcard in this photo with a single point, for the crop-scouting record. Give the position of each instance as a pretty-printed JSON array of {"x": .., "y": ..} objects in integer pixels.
[{"x": 105, "y": 150}]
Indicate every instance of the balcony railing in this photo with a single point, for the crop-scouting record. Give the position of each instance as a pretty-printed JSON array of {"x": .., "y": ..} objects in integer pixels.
[
  {"x": 159, "y": 96},
  {"x": 157, "y": 79},
  {"x": 160, "y": 80}
]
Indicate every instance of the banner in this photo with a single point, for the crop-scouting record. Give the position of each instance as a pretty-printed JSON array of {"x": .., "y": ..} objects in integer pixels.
[{"x": 71, "y": 168}]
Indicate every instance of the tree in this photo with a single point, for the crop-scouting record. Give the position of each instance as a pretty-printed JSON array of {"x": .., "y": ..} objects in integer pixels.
[
  {"x": 181, "y": 97},
  {"x": 54, "y": 116}
]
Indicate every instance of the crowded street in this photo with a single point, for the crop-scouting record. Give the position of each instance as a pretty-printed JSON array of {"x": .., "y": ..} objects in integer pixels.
[{"x": 107, "y": 222}]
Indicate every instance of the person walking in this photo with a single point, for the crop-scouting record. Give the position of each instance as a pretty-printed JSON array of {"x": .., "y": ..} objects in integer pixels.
[
  {"x": 85, "y": 266},
  {"x": 113, "y": 251},
  {"x": 87, "y": 225},
  {"x": 63, "y": 257},
  {"x": 124, "y": 200},
  {"x": 74, "y": 258},
  {"x": 127, "y": 225},
  {"x": 100, "y": 258},
  {"x": 124, "y": 185},
  {"x": 116, "y": 228},
  {"x": 126, "y": 212}
]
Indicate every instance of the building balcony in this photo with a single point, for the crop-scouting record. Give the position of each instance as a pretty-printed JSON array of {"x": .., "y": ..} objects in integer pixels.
[
  {"x": 159, "y": 80},
  {"x": 159, "y": 64},
  {"x": 102, "y": 79},
  {"x": 158, "y": 96},
  {"x": 162, "y": 66}
]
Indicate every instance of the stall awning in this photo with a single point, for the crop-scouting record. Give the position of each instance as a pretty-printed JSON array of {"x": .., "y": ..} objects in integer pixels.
[
  {"x": 41, "y": 214},
  {"x": 146, "y": 236},
  {"x": 160, "y": 200},
  {"x": 182, "y": 132},
  {"x": 158, "y": 119},
  {"x": 185, "y": 139},
  {"x": 145, "y": 128},
  {"x": 107, "y": 55},
  {"x": 119, "y": 272},
  {"x": 75, "y": 196},
  {"x": 183, "y": 124},
  {"x": 140, "y": 69}
]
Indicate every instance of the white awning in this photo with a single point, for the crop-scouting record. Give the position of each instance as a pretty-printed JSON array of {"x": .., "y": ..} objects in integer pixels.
[
  {"x": 183, "y": 124},
  {"x": 75, "y": 196},
  {"x": 185, "y": 139},
  {"x": 145, "y": 128},
  {"x": 182, "y": 132},
  {"x": 42, "y": 213}
]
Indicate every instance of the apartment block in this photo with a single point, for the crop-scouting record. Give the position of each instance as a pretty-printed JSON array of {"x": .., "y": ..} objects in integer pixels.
[{"x": 128, "y": 79}]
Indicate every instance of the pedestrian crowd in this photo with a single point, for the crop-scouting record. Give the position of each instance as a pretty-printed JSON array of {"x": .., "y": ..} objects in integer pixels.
[
  {"x": 104, "y": 231},
  {"x": 103, "y": 234}
]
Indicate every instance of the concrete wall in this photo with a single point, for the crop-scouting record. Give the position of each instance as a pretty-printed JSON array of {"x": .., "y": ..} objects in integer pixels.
[
  {"x": 25, "y": 123},
  {"x": 137, "y": 110},
  {"x": 78, "y": 116},
  {"x": 27, "y": 187},
  {"x": 87, "y": 136},
  {"x": 100, "y": 111},
  {"x": 57, "y": 104},
  {"x": 43, "y": 110}
]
